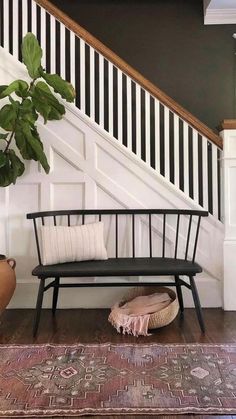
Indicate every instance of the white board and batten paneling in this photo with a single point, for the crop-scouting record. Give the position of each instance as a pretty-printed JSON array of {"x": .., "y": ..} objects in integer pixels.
[{"x": 90, "y": 170}]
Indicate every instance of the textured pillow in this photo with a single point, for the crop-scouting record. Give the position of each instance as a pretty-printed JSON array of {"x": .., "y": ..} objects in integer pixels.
[{"x": 70, "y": 244}]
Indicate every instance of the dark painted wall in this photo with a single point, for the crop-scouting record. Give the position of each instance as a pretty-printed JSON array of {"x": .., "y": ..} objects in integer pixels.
[{"x": 167, "y": 42}]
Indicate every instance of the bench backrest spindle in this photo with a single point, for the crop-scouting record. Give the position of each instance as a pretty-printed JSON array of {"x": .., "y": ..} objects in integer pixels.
[
  {"x": 196, "y": 239},
  {"x": 177, "y": 236},
  {"x": 188, "y": 236},
  {"x": 150, "y": 234},
  {"x": 133, "y": 236},
  {"x": 164, "y": 235},
  {"x": 116, "y": 234},
  {"x": 37, "y": 240}
]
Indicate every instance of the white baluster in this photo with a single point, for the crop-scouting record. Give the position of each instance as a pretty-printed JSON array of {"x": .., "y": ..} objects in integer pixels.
[
  {"x": 6, "y": 24},
  {"x": 43, "y": 36},
  {"x": 195, "y": 166},
  {"x": 110, "y": 96},
  {"x": 176, "y": 150},
  {"x": 52, "y": 44},
  {"x": 62, "y": 51},
  {"x": 138, "y": 120},
  {"x": 129, "y": 113},
  {"x": 15, "y": 38},
  {"x": 34, "y": 18},
  {"x": 119, "y": 101},
  {"x": 157, "y": 134},
  {"x": 186, "y": 157},
  {"x": 214, "y": 180},
  {"x": 72, "y": 58},
  {"x": 24, "y": 18},
  {"x": 147, "y": 126},
  {"x": 167, "y": 142},
  {"x": 92, "y": 83},
  {"x": 205, "y": 172},
  {"x": 82, "y": 75},
  {"x": 101, "y": 90}
]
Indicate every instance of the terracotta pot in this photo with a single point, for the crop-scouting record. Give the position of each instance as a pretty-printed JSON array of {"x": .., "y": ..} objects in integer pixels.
[{"x": 7, "y": 280}]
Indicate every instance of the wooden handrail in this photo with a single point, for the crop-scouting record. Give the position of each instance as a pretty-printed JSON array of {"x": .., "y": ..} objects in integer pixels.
[{"x": 130, "y": 71}]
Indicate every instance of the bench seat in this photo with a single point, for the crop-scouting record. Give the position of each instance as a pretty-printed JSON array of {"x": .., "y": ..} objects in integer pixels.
[{"x": 119, "y": 267}]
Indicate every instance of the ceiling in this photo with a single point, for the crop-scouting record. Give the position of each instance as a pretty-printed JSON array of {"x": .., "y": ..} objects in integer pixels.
[{"x": 219, "y": 12}]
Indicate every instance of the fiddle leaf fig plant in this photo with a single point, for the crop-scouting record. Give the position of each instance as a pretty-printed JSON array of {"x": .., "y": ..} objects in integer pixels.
[{"x": 19, "y": 137}]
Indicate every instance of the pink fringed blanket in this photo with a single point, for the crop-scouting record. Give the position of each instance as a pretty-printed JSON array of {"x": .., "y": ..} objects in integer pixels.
[{"x": 133, "y": 317}]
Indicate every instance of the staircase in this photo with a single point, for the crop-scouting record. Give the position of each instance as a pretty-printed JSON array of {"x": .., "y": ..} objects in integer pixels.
[{"x": 123, "y": 144}]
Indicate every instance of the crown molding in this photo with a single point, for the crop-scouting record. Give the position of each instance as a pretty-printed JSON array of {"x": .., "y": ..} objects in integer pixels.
[{"x": 220, "y": 16}]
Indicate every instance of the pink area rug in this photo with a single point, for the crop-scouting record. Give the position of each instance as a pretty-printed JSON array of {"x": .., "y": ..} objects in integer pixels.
[{"x": 61, "y": 380}]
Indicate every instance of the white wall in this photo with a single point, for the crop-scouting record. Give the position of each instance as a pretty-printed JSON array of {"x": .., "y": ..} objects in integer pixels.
[{"x": 90, "y": 170}]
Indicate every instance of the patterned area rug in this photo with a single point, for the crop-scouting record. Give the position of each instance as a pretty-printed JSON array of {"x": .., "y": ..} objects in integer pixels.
[{"x": 60, "y": 380}]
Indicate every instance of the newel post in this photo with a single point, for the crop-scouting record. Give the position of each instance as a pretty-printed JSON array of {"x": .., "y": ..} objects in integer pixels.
[{"x": 228, "y": 134}]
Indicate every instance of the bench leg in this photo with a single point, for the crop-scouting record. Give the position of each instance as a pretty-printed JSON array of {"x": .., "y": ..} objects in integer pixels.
[
  {"x": 55, "y": 295},
  {"x": 197, "y": 304},
  {"x": 38, "y": 306},
  {"x": 179, "y": 293}
]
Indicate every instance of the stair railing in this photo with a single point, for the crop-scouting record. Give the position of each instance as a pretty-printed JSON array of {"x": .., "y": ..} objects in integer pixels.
[{"x": 114, "y": 95}]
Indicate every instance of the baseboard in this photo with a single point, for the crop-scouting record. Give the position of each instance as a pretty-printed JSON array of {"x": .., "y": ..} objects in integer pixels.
[{"x": 209, "y": 291}]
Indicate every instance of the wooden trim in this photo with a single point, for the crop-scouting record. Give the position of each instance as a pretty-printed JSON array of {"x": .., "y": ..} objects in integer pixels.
[
  {"x": 228, "y": 124},
  {"x": 131, "y": 72}
]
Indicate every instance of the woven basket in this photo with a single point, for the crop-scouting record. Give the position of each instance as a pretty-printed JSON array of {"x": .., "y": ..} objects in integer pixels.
[{"x": 162, "y": 317}]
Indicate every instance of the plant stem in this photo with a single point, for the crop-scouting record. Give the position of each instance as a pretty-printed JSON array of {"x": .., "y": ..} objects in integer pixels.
[{"x": 9, "y": 141}]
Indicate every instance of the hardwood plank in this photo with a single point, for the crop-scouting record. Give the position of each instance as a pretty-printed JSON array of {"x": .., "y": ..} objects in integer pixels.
[{"x": 91, "y": 326}]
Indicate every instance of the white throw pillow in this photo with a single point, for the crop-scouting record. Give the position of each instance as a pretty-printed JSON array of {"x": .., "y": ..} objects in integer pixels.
[{"x": 70, "y": 244}]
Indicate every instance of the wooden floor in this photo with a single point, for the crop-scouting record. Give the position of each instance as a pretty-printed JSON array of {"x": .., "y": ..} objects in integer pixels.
[{"x": 91, "y": 326}]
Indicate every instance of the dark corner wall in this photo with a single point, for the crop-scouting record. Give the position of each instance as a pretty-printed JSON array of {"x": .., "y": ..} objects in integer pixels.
[{"x": 168, "y": 43}]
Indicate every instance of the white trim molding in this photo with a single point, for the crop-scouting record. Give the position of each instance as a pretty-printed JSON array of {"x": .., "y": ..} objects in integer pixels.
[
  {"x": 219, "y": 16},
  {"x": 229, "y": 176}
]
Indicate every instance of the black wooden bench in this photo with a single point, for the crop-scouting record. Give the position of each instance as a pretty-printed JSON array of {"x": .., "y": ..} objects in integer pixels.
[{"x": 117, "y": 266}]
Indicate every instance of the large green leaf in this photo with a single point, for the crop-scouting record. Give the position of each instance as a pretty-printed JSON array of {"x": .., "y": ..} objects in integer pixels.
[
  {"x": 2, "y": 159},
  {"x": 65, "y": 89},
  {"x": 5, "y": 173},
  {"x": 17, "y": 167},
  {"x": 22, "y": 143},
  {"x": 46, "y": 103},
  {"x": 27, "y": 111},
  {"x": 54, "y": 114},
  {"x": 30, "y": 145},
  {"x": 20, "y": 87},
  {"x": 12, "y": 168},
  {"x": 8, "y": 115},
  {"x": 39, "y": 153},
  {"x": 41, "y": 106},
  {"x": 2, "y": 88},
  {"x": 32, "y": 54}
]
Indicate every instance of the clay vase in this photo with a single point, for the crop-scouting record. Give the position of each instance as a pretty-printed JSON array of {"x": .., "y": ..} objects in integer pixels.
[{"x": 7, "y": 281}]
